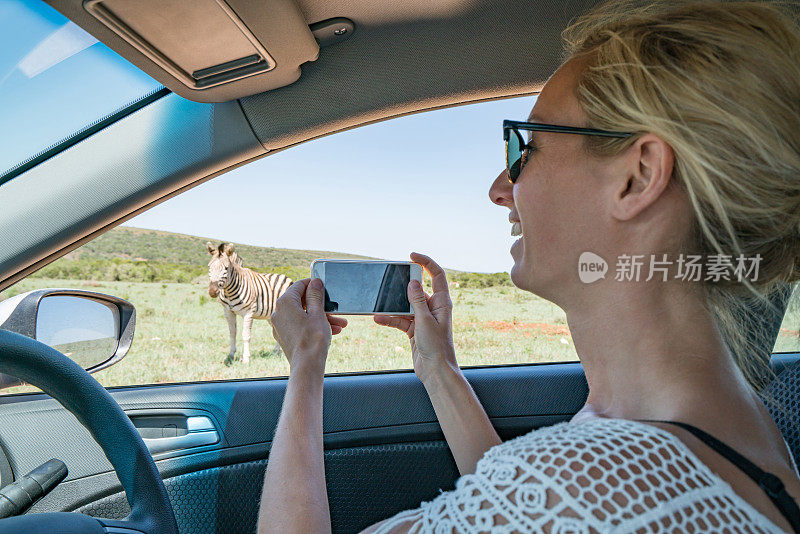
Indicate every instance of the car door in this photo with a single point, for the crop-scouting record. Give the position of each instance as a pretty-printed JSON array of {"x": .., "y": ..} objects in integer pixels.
[{"x": 384, "y": 451}]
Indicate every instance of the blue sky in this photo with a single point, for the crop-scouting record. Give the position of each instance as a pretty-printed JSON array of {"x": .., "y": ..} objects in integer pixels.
[{"x": 414, "y": 183}]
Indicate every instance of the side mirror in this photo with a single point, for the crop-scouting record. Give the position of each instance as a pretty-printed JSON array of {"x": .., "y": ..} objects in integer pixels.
[{"x": 93, "y": 329}]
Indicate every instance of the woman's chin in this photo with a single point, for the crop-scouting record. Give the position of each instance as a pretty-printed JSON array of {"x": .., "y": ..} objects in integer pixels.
[
  {"x": 515, "y": 276},
  {"x": 522, "y": 270},
  {"x": 518, "y": 274}
]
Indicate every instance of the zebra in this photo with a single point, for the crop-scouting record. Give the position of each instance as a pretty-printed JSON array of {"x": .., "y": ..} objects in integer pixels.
[{"x": 242, "y": 291}]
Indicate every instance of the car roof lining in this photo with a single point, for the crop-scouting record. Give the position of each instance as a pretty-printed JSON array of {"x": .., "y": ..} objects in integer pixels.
[
  {"x": 446, "y": 34},
  {"x": 395, "y": 68},
  {"x": 403, "y": 57}
]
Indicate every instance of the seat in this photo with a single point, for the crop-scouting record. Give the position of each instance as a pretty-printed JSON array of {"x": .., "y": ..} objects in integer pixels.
[{"x": 782, "y": 395}]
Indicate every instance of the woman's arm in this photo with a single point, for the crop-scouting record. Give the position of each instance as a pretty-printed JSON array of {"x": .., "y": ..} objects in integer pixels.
[
  {"x": 466, "y": 426},
  {"x": 294, "y": 498}
]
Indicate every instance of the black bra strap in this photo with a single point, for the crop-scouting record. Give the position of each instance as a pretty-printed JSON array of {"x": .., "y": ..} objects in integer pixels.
[{"x": 772, "y": 485}]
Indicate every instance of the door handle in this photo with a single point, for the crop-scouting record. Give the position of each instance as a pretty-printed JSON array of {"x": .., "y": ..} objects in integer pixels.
[{"x": 200, "y": 431}]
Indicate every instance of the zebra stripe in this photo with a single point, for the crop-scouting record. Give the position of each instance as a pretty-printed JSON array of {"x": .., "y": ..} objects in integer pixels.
[{"x": 246, "y": 289}]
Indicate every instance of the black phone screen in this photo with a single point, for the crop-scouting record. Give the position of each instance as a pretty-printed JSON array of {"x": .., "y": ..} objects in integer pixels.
[{"x": 367, "y": 287}]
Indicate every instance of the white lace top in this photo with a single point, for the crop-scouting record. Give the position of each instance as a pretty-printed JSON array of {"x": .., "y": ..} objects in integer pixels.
[{"x": 602, "y": 475}]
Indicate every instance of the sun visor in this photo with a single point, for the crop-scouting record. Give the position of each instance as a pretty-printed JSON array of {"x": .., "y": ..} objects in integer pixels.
[{"x": 205, "y": 50}]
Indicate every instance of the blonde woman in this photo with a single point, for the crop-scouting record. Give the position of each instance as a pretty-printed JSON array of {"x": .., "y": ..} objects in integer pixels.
[{"x": 672, "y": 129}]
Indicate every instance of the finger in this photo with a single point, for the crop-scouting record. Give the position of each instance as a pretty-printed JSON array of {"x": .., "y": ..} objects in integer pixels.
[
  {"x": 314, "y": 296},
  {"x": 416, "y": 296},
  {"x": 296, "y": 291},
  {"x": 438, "y": 276},
  {"x": 277, "y": 338},
  {"x": 337, "y": 321},
  {"x": 401, "y": 323}
]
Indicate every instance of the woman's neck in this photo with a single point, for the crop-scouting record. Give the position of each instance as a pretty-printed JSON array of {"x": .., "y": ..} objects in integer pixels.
[{"x": 655, "y": 353}]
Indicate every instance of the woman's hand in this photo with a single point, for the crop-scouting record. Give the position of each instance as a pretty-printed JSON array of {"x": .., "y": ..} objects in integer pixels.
[
  {"x": 301, "y": 327},
  {"x": 431, "y": 329}
]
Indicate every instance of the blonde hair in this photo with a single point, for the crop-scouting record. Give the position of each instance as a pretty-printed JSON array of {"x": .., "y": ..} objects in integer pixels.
[{"x": 720, "y": 83}]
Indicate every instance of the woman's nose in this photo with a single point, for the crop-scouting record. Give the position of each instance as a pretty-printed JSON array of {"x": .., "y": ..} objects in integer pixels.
[{"x": 502, "y": 191}]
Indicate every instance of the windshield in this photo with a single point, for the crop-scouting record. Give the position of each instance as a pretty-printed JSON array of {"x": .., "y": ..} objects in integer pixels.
[{"x": 55, "y": 80}]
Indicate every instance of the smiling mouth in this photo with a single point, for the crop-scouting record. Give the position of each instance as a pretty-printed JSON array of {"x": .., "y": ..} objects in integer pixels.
[{"x": 516, "y": 229}]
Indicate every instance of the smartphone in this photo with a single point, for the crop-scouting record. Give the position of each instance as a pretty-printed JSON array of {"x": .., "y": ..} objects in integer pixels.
[{"x": 356, "y": 287}]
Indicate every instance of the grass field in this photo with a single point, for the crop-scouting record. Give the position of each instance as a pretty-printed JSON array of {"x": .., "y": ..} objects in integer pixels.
[{"x": 181, "y": 334}]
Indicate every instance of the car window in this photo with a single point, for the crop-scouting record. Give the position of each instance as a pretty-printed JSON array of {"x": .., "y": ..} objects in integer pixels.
[
  {"x": 789, "y": 334},
  {"x": 56, "y": 80},
  {"x": 416, "y": 183}
]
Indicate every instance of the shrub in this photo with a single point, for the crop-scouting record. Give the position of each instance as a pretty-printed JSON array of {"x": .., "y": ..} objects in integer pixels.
[
  {"x": 120, "y": 270},
  {"x": 295, "y": 273},
  {"x": 481, "y": 280}
]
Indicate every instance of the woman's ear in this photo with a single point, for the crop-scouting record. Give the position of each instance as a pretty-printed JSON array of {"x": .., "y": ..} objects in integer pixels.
[{"x": 647, "y": 171}]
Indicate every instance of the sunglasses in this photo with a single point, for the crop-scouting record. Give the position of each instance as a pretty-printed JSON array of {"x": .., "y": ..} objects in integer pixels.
[{"x": 517, "y": 148}]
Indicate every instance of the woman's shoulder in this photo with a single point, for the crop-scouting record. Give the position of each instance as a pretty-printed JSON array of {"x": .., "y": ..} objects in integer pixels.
[
  {"x": 608, "y": 452},
  {"x": 593, "y": 459},
  {"x": 624, "y": 470},
  {"x": 619, "y": 468},
  {"x": 594, "y": 437},
  {"x": 585, "y": 476}
]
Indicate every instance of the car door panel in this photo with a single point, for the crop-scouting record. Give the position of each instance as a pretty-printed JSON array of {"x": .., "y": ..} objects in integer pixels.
[
  {"x": 383, "y": 444},
  {"x": 384, "y": 449}
]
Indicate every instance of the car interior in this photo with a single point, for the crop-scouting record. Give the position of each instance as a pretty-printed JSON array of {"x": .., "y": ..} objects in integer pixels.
[{"x": 244, "y": 79}]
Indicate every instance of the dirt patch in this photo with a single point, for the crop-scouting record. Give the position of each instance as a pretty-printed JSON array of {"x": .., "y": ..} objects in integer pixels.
[{"x": 527, "y": 328}]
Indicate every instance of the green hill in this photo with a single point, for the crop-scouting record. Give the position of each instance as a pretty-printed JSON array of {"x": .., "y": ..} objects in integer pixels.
[
  {"x": 130, "y": 254},
  {"x": 139, "y": 255},
  {"x": 129, "y": 243}
]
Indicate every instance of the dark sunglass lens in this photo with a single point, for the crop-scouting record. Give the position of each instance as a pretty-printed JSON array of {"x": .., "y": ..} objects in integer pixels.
[
  {"x": 513, "y": 171},
  {"x": 513, "y": 155}
]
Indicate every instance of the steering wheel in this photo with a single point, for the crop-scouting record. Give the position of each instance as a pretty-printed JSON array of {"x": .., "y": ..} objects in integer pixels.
[{"x": 65, "y": 381}]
